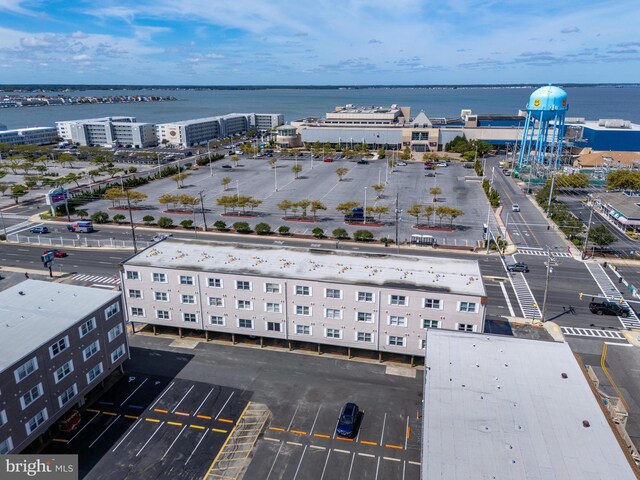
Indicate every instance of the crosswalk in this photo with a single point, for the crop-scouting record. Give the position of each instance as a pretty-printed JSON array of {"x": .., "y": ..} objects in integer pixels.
[
  {"x": 590, "y": 332},
  {"x": 527, "y": 302},
  {"x": 97, "y": 279},
  {"x": 20, "y": 227},
  {"x": 610, "y": 290},
  {"x": 540, "y": 253}
]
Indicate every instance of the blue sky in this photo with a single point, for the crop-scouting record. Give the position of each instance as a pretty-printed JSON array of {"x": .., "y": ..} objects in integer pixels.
[{"x": 319, "y": 42}]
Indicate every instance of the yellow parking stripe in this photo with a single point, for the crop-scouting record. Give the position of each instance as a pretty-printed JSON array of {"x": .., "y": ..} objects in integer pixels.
[
  {"x": 152, "y": 420},
  {"x": 219, "y": 430},
  {"x": 110, "y": 413},
  {"x": 397, "y": 447},
  {"x": 174, "y": 423},
  {"x": 277, "y": 429},
  {"x": 225, "y": 420},
  {"x": 159, "y": 410},
  {"x": 320, "y": 435},
  {"x": 182, "y": 414},
  {"x": 93, "y": 410},
  {"x": 345, "y": 439},
  {"x": 61, "y": 440},
  {"x": 298, "y": 432},
  {"x": 131, "y": 417},
  {"x": 206, "y": 417},
  {"x": 368, "y": 443},
  {"x": 196, "y": 426}
]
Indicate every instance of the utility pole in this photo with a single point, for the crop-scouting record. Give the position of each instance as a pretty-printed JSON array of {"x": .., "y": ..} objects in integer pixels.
[
  {"x": 553, "y": 179},
  {"x": 204, "y": 218},
  {"x": 133, "y": 231},
  {"x": 397, "y": 221},
  {"x": 586, "y": 240},
  {"x": 546, "y": 286}
]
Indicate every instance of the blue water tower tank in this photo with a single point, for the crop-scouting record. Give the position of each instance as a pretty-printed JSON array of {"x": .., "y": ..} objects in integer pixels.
[{"x": 546, "y": 102}]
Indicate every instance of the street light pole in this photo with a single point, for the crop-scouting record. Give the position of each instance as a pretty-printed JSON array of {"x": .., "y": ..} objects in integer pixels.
[
  {"x": 275, "y": 175},
  {"x": 133, "y": 230},
  {"x": 210, "y": 165},
  {"x": 204, "y": 218},
  {"x": 365, "y": 206},
  {"x": 586, "y": 240},
  {"x": 546, "y": 287},
  {"x": 397, "y": 221}
]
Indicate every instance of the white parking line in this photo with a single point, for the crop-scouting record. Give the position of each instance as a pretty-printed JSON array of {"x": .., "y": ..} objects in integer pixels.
[
  {"x": 341, "y": 451},
  {"x": 105, "y": 431},
  {"x": 205, "y": 399},
  {"x": 300, "y": 462},
  {"x": 324, "y": 469},
  {"x": 314, "y": 421},
  {"x": 161, "y": 395},
  {"x": 194, "y": 450},
  {"x": 317, "y": 447},
  {"x": 414, "y": 463},
  {"x": 384, "y": 421},
  {"x": 377, "y": 468},
  {"x": 151, "y": 437},
  {"x": 371, "y": 455},
  {"x": 174, "y": 441},
  {"x": 274, "y": 461},
  {"x": 293, "y": 418},
  {"x": 296, "y": 444},
  {"x": 80, "y": 431},
  {"x": 225, "y": 404},
  {"x": 406, "y": 434},
  {"x": 125, "y": 437},
  {"x": 185, "y": 396},
  {"x": 391, "y": 459},
  {"x": 351, "y": 467},
  {"x": 133, "y": 393},
  {"x": 269, "y": 439}
]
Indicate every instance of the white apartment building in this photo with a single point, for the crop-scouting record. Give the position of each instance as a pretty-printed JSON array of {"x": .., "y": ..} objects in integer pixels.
[
  {"x": 383, "y": 303},
  {"x": 108, "y": 131},
  {"x": 29, "y": 136}
]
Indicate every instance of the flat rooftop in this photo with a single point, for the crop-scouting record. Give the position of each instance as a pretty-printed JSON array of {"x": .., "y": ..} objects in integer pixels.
[
  {"x": 336, "y": 266},
  {"x": 498, "y": 408},
  {"x": 40, "y": 313}
]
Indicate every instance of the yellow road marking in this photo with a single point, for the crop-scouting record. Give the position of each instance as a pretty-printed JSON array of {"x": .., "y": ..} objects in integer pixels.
[
  {"x": 131, "y": 417},
  {"x": 93, "y": 410},
  {"x": 606, "y": 372},
  {"x": 206, "y": 417},
  {"x": 345, "y": 439},
  {"x": 199, "y": 427},
  {"x": 397, "y": 447},
  {"x": 298, "y": 432},
  {"x": 61, "y": 440},
  {"x": 174, "y": 423},
  {"x": 408, "y": 433},
  {"x": 182, "y": 414},
  {"x": 368, "y": 443},
  {"x": 277, "y": 429},
  {"x": 152, "y": 420},
  {"x": 225, "y": 420},
  {"x": 320, "y": 435},
  {"x": 110, "y": 413},
  {"x": 160, "y": 410},
  {"x": 219, "y": 430}
]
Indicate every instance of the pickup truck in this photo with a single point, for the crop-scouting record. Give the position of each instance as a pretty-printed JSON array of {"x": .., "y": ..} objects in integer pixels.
[
  {"x": 357, "y": 216},
  {"x": 609, "y": 308}
]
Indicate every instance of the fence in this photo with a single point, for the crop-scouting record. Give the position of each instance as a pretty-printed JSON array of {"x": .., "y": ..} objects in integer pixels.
[{"x": 50, "y": 241}]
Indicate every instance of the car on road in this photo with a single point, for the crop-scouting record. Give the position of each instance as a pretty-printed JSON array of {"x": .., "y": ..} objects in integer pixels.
[
  {"x": 518, "y": 267},
  {"x": 429, "y": 174},
  {"x": 363, "y": 162},
  {"x": 227, "y": 166},
  {"x": 443, "y": 164},
  {"x": 429, "y": 165},
  {"x": 348, "y": 421},
  {"x": 328, "y": 160},
  {"x": 609, "y": 307},
  {"x": 402, "y": 164},
  {"x": 56, "y": 253},
  {"x": 161, "y": 236},
  {"x": 40, "y": 229},
  {"x": 515, "y": 207}
]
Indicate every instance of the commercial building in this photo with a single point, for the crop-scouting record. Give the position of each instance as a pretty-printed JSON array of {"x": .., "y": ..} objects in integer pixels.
[
  {"x": 29, "y": 136},
  {"x": 108, "y": 131},
  {"x": 383, "y": 303},
  {"x": 189, "y": 133},
  {"x": 620, "y": 209},
  {"x": 504, "y": 407},
  {"x": 606, "y": 134},
  {"x": 57, "y": 342}
]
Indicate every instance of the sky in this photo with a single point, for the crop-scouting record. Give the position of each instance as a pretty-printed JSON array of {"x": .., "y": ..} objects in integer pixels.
[{"x": 319, "y": 42}]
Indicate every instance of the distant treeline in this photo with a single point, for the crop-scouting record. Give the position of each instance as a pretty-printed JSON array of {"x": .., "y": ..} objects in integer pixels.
[{"x": 81, "y": 88}]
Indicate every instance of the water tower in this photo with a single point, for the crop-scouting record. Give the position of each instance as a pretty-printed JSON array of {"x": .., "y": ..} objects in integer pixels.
[{"x": 543, "y": 134}]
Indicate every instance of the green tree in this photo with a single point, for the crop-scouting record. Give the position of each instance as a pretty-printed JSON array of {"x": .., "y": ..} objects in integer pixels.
[
  {"x": 242, "y": 227},
  {"x": 82, "y": 214},
  {"x": 285, "y": 206},
  {"x": 378, "y": 210},
  {"x": 454, "y": 213},
  {"x": 623, "y": 180},
  {"x": 340, "y": 234},
  {"x": 441, "y": 212},
  {"x": 406, "y": 154},
  {"x": 18, "y": 191},
  {"x": 315, "y": 206},
  {"x": 416, "y": 210},
  {"x": 235, "y": 159},
  {"x": 227, "y": 201},
  {"x": 225, "y": 181},
  {"x": 263, "y": 229},
  {"x": 572, "y": 180},
  {"x": 379, "y": 189},
  {"x": 362, "y": 236},
  {"x": 3, "y": 188},
  {"x": 165, "y": 222},
  {"x": 283, "y": 230},
  {"x": 303, "y": 205},
  {"x": 318, "y": 232},
  {"x": 601, "y": 236},
  {"x": 435, "y": 191},
  {"x": 347, "y": 207},
  {"x": 116, "y": 195},
  {"x": 148, "y": 219},
  {"x": 186, "y": 224},
  {"x": 188, "y": 201},
  {"x": 341, "y": 172},
  {"x": 66, "y": 158},
  {"x": 220, "y": 226},
  {"x": 296, "y": 169},
  {"x": 168, "y": 200},
  {"x": 118, "y": 218},
  {"x": 381, "y": 153},
  {"x": 136, "y": 197},
  {"x": 179, "y": 179},
  {"x": 100, "y": 217},
  {"x": 74, "y": 177}
]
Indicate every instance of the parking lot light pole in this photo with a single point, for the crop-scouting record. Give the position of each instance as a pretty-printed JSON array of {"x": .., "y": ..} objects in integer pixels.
[
  {"x": 204, "y": 218},
  {"x": 275, "y": 176},
  {"x": 210, "y": 165},
  {"x": 364, "y": 216}
]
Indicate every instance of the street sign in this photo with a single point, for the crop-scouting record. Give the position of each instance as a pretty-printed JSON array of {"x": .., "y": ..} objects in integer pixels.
[{"x": 47, "y": 258}]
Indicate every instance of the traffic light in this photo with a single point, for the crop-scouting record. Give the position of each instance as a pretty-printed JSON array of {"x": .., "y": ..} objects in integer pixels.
[{"x": 580, "y": 294}]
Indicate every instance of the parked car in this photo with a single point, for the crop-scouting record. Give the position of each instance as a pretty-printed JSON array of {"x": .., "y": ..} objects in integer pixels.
[
  {"x": 348, "y": 421},
  {"x": 443, "y": 164},
  {"x": 56, "y": 253},
  {"x": 301, "y": 154},
  {"x": 40, "y": 229},
  {"x": 227, "y": 166},
  {"x": 429, "y": 165},
  {"x": 402, "y": 164},
  {"x": 328, "y": 160},
  {"x": 161, "y": 236},
  {"x": 429, "y": 174},
  {"x": 518, "y": 267},
  {"x": 70, "y": 421},
  {"x": 363, "y": 162},
  {"x": 609, "y": 307},
  {"x": 515, "y": 207}
]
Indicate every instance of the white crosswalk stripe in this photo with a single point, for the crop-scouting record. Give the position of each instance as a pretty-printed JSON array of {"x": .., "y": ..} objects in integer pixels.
[
  {"x": 525, "y": 298},
  {"x": 97, "y": 279},
  {"x": 526, "y": 251},
  {"x": 610, "y": 290},
  {"x": 590, "y": 332},
  {"x": 20, "y": 226}
]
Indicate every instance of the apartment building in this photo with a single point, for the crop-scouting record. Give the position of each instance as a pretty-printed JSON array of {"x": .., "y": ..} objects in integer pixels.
[
  {"x": 57, "y": 342},
  {"x": 29, "y": 136},
  {"x": 108, "y": 131},
  {"x": 382, "y": 303}
]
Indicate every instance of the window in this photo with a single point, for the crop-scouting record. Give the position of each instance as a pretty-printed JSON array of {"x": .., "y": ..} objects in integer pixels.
[
  {"x": 36, "y": 421},
  {"x": 117, "y": 353},
  {"x": 333, "y": 293},
  {"x": 189, "y": 317},
  {"x": 115, "y": 332},
  {"x": 423, "y": 344},
  {"x": 216, "y": 320},
  {"x": 431, "y": 303},
  {"x": 163, "y": 315},
  {"x": 111, "y": 310},
  {"x": 398, "y": 300},
  {"x": 364, "y": 317},
  {"x": 364, "y": 337},
  {"x": 245, "y": 323},
  {"x": 214, "y": 282},
  {"x": 430, "y": 323},
  {"x": 465, "y": 327},
  {"x": 58, "y": 347},
  {"x": 273, "y": 326},
  {"x": 397, "y": 321},
  {"x": 397, "y": 341},
  {"x": 63, "y": 371},
  {"x": 67, "y": 395},
  {"x": 243, "y": 285},
  {"x": 186, "y": 280},
  {"x": 91, "y": 350},
  {"x": 135, "y": 293},
  {"x": 272, "y": 287},
  {"x": 6, "y": 446},
  {"x": 159, "y": 278},
  {"x": 216, "y": 302},
  {"x": 468, "y": 307},
  {"x": 273, "y": 307},
  {"x": 333, "y": 333},
  {"x": 188, "y": 299},
  {"x": 3, "y": 417},
  {"x": 133, "y": 275},
  {"x": 365, "y": 297},
  {"x": 25, "y": 370},
  {"x": 137, "y": 312},
  {"x": 303, "y": 329},
  {"x": 86, "y": 327},
  {"x": 334, "y": 313},
  {"x": 31, "y": 396},
  {"x": 302, "y": 290},
  {"x": 162, "y": 296},
  {"x": 94, "y": 373},
  {"x": 303, "y": 310},
  {"x": 244, "y": 305}
]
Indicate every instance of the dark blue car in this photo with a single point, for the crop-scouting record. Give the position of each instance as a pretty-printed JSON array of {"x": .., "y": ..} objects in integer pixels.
[{"x": 348, "y": 421}]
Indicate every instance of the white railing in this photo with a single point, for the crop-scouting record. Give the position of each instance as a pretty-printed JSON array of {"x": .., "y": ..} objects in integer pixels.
[{"x": 53, "y": 241}]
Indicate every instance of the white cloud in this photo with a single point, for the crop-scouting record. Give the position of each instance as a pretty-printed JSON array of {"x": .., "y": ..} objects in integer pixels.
[{"x": 214, "y": 55}]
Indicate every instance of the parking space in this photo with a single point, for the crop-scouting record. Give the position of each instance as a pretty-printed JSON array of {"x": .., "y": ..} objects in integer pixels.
[{"x": 153, "y": 427}]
